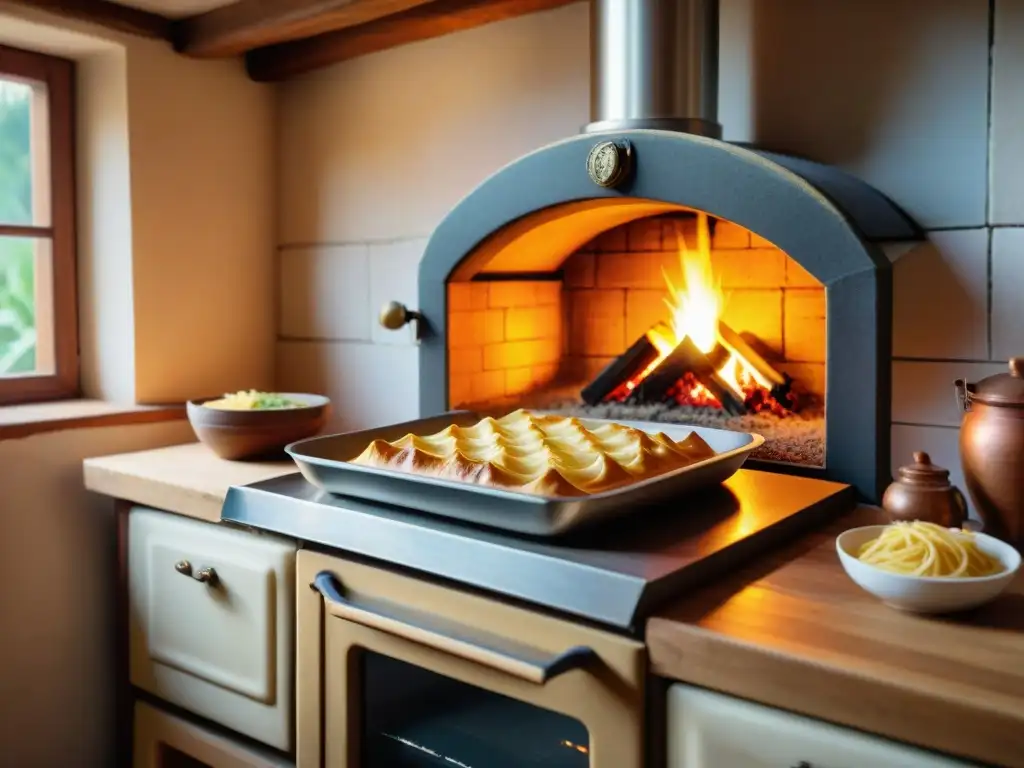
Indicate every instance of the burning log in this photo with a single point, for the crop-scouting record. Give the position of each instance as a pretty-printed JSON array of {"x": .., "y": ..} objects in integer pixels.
[
  {"x": 780, "y": 384},
  {"x": 643, "y": 374},
  {"x": 685, "y": 358},
  {"x": 660, "y": 368},
  {"x": 626, "y": 367}
]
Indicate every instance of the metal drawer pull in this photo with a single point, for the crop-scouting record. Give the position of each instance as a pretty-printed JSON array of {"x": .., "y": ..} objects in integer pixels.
[
  {"x": 206, "y": 574},
  {"x": 500, "y": 653}
]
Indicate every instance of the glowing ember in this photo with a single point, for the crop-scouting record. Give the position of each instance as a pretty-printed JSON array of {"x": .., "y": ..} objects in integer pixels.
[
  {"x": 696, "y": 307},
  {"x": 689, "y": 391}
]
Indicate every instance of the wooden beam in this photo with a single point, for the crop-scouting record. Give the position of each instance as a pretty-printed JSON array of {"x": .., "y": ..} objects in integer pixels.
[
  {"x": 440, "y": 17},
  {"x": 106, "y": 14},
  {"x": 234, "y": 29}
]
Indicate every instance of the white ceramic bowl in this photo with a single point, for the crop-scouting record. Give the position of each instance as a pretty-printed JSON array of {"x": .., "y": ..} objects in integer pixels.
[{"x": 926, "y": 594}]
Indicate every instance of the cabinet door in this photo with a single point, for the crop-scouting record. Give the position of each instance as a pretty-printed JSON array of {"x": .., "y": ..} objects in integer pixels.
[
  {"x": 212, "y": 621},
  {"x": 166, "y": 741},
  {"x": 712, "y": 730}
]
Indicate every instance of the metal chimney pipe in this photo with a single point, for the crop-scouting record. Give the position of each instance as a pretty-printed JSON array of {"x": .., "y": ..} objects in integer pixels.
[{"x": 654, "y": 64}]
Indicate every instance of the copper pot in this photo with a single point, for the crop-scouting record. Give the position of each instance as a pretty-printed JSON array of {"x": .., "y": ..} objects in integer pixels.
[
  {"x": 922, "y": 491},
  {"x": 992, "y": 450}
]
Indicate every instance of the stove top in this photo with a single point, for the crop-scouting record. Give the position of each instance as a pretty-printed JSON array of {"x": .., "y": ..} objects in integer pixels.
[{"x": 614, "y": 575}]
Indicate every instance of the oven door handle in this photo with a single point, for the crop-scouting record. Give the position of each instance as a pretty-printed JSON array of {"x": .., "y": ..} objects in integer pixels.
[{"x": 512, "y": 658}]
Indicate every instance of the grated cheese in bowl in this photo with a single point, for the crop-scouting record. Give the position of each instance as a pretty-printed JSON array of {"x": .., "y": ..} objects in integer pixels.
[{"x": 252, "y": 400}]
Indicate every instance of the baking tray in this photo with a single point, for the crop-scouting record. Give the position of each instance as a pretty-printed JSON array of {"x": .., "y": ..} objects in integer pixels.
[{"x": 324, "y": 461}]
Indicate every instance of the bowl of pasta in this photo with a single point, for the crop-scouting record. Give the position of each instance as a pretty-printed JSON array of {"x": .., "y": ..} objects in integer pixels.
[
  {"x": 926, "y": 568},
  {"x": 252, "y": 424}
]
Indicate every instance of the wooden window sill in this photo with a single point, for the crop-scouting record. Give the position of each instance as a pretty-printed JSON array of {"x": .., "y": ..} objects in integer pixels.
[{"x": 32, "y": 419}]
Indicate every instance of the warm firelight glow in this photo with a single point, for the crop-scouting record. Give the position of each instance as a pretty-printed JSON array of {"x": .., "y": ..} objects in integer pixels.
[{"x": 695, "y": 307}]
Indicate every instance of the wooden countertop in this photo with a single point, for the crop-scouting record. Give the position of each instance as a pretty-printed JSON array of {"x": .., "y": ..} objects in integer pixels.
[
  {"x": 793, "y": 631},
  {"x": 188, "y": 479}
]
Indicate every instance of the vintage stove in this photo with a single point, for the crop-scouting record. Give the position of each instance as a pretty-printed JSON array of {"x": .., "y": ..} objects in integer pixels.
[
  {"x": 647, "y": 270},
  {"x": 644, "y": 270}
]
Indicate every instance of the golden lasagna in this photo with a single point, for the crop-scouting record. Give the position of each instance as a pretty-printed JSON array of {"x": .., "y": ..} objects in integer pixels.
[{"x": 546, "y": 455}]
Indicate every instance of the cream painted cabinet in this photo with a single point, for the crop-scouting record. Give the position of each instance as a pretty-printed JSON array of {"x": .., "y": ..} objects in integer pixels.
[
  {"x": 712, "y": 730},
  {"x": 166, "y": 741},
  {"x": 212, "y": 622}
]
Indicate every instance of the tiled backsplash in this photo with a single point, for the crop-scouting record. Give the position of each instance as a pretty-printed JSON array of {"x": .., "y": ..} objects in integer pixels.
[{"x": 370, "y": 163}]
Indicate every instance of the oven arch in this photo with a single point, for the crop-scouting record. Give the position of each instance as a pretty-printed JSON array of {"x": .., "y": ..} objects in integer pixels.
[{"x": 826, "y": 220}]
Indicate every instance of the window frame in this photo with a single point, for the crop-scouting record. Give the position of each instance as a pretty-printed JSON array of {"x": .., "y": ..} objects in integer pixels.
[{"x": 59, "y": 76}]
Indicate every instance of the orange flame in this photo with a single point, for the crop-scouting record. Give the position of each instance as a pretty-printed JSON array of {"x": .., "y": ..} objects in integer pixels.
[
  {"x": 696, "y": 307},
  {"x": 697, "y": 304}
]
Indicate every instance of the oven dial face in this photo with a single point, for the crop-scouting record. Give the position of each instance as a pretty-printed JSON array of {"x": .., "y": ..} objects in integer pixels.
[{"x": 609, "y": 163}]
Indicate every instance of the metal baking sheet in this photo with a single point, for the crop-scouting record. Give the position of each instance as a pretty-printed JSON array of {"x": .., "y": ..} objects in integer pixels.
[{"x": 324, "y": 462}]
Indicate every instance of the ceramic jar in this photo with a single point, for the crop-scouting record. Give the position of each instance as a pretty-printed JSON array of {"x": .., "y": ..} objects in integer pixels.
[{"x": 922, "y": 491}]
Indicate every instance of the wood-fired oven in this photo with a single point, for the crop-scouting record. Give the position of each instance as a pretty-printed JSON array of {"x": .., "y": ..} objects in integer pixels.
[{"x": 645, "y": 269}]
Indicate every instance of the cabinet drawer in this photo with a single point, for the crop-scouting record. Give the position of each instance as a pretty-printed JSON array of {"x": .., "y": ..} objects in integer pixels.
[
  {"x": 711, "y": 730},
  {"x": 221, "y": 647},
  {"x": 166, "y": 741}
]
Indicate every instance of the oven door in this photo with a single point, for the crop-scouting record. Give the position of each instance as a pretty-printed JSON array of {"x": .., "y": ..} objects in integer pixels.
[{"x": 394, "y": 672}]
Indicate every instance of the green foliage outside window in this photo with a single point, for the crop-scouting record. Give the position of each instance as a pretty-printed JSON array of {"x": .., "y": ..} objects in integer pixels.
[{"x": 17, "y": 278}]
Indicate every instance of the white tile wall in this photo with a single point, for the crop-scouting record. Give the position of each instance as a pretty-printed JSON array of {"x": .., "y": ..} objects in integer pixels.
[
  {"x": 1007, "y": 293},
  {"x": 894, "y": 91},
  {"x": 323, "y": 292},
  {"x": 382, "y": 146},
  {"x": 368, "y": 384},
  {"x": 375, "y": 151},
  {"x": 394, "y": 268},
  {"x": 923, "y": 393},
  {"x": 1006, "y": 148},
  {"x": 940, "y": 295}
]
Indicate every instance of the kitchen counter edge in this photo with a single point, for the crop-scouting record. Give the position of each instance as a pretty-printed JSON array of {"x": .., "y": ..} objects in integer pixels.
[{"x": 186, "y": 479}]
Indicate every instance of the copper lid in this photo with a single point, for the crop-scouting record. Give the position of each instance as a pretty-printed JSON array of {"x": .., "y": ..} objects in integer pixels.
[
  {"x": 1003, "y": 388},
  {"x": 923, "y": 472}
]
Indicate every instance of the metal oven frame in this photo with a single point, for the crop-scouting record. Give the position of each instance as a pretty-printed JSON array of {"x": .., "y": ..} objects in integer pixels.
[{"x": 828, "y": 221}]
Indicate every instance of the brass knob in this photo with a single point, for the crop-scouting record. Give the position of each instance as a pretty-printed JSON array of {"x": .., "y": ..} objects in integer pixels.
[
  {"x": 205, "y": 575},
  {"x": 1017, "y": 367},
  {"x": 394, "y": 315}
]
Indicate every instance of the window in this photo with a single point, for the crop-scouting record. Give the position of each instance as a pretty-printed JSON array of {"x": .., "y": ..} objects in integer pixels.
[{"x": 38, "y": 302}]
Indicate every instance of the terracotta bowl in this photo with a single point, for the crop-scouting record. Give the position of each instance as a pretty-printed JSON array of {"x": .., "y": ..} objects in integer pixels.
[{"x": 257, "y": 434}]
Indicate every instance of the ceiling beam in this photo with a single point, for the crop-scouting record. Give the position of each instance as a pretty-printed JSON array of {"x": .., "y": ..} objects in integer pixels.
[
  {"x": 433, "y": 19},
  {"x": 106, "y": 14},
  {"x": 241, "y": 26}
]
